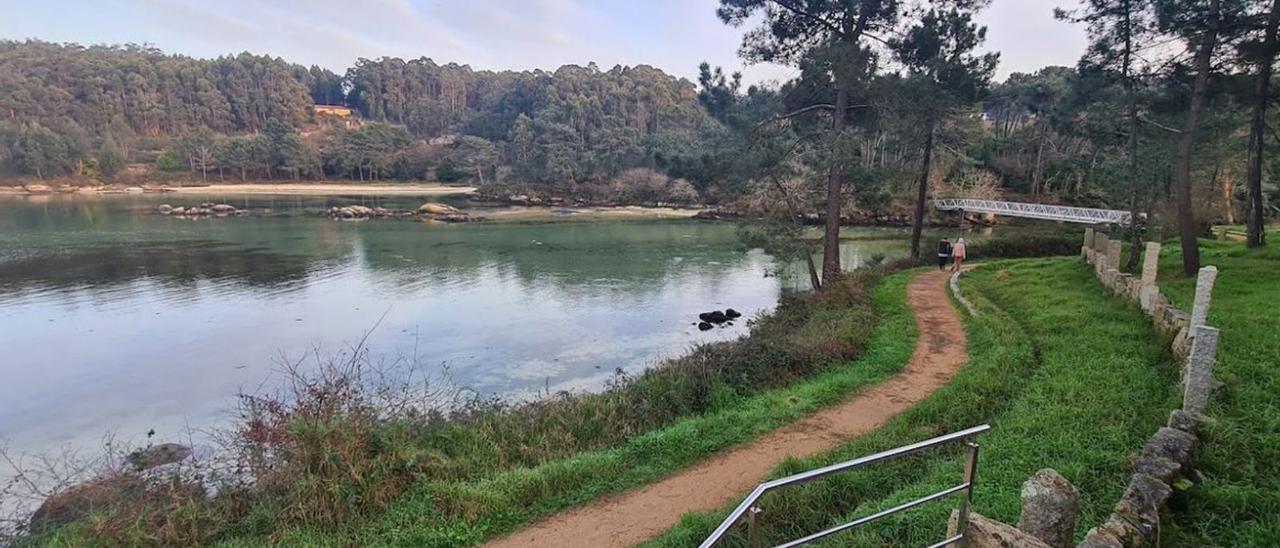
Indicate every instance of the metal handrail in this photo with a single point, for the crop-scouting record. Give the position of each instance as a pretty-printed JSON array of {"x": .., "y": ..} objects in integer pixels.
[
  {"x": 1052, "y": 212},
  {"x": 748, "y": 506}
]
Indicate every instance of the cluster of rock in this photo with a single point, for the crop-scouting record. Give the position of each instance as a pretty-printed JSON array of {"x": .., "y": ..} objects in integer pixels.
[
  {"x": 45, "y": 188},
  {"x": 202, "y": 210},
  {"x": 709, "y": 320},
  {"x": 430, "y": 210}
]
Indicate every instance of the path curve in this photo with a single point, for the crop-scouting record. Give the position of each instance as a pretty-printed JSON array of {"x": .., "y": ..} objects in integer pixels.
[{"x": 638, "y": 515}]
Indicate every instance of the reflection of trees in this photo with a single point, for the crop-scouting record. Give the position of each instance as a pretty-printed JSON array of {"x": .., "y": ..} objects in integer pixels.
[
  {"x": 183, "y": 264},
  {"x": 111, "y": 241},
  {"x": 633, "y": 256}
]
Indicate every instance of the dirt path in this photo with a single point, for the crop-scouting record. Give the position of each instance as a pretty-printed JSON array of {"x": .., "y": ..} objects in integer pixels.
[{"x": 635, "y": 516}]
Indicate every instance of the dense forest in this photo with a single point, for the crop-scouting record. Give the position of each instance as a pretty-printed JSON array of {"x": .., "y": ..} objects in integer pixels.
[
  {"x": 1167, "y": 114},
  {"x": 91, "y": 110}
]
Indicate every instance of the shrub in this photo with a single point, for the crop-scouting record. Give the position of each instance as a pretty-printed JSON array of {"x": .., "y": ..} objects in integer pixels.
[{"x": 1026, "y": 245}]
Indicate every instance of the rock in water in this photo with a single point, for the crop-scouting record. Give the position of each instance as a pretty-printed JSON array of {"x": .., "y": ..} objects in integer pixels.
[
  {"x": 433, "y": 208},
  {"x": 704, "y": 326},
  {"x": 731, "y": 313},
  {"x": 158, "y": 455}
]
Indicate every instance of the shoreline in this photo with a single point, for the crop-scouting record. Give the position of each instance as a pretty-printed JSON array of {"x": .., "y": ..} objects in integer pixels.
[{"x": 325, "y": 189}]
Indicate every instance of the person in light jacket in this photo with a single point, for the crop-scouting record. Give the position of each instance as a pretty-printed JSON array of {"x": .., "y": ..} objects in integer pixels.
[{"x": 957, "y": 255}]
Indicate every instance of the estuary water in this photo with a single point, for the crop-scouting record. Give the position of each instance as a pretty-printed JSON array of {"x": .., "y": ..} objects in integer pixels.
[{"x": 114, "y": 318}]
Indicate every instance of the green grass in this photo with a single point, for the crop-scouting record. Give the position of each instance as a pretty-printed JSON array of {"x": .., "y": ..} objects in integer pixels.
[
  {"x": 1069, "y": 377},
  {"x": 464, "y": 512},
  {"x": 1238, "y": 501}
]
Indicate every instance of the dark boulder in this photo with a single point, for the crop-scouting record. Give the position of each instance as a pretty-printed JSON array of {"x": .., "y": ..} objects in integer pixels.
[
  {"x": 158, "y": 455},
  {"x": 713, "y": 317},
  {"x": 731, "y": 313},
  {"x": 704, "y": 326},
  {"x": 83, "y": 499}
]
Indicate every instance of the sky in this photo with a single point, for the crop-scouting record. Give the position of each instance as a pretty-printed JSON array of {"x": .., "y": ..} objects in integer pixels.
[{"x": 674, "y": 35}]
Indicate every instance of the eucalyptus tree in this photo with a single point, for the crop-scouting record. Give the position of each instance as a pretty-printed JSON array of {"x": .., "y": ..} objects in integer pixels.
[
  {"x": 831, "y": 38},
  {"x": 938, "y": 53}
]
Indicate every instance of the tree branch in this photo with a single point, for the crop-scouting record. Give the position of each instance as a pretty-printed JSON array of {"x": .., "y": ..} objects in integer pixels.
[{"x": 1159, "y": 125}]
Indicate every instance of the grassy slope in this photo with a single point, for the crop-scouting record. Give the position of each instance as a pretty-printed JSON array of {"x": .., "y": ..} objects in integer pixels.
[
  {"x": 1238, "y": 503},
  {"x": 501, "y": 503},
  {"x": 1069, "y": 378}
]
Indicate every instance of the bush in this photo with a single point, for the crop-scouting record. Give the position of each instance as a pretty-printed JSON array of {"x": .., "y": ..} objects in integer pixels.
[{"x": 1026, "y": 245}]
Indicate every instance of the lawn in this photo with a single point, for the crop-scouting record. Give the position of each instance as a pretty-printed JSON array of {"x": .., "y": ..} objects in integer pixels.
[
  {"x": 1068, "y": 376},
  {"x": 1237, "y": 503}
]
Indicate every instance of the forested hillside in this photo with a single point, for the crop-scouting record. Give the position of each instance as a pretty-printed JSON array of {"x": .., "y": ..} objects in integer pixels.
[{"x": 89, "y": 110}]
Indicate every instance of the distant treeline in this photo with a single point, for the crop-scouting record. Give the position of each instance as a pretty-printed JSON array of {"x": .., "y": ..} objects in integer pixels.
[{"x": 70, "y": 109}]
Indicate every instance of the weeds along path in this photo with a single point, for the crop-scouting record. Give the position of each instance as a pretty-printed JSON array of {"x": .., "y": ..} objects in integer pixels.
[{"x": 636, "y": 516}]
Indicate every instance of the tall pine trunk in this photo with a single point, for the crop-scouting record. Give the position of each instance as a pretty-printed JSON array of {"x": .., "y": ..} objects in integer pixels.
[
  {"x": 1135, "y": 237},
  {"x": 922, "y": 193},
  {"x": 1257, "y": 130},
  {"x": 835, "y": 183},
  {"x": 1186, "y": 142}
]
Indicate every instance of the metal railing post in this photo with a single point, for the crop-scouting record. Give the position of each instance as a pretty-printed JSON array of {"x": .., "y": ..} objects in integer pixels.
[
  {"x": 970, "y": 476},
  {"x": 753, "y": 528},
  {"x": 751, "y": 511}
]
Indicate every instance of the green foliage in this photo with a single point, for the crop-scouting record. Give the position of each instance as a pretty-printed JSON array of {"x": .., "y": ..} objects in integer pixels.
[{"x": 1025, "y": 245}]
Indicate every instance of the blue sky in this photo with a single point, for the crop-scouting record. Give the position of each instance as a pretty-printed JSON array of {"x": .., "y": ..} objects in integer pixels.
[{"x": 674, "y": 35}]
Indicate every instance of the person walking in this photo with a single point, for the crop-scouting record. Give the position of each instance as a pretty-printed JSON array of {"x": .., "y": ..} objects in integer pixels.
[
  {"x": 957, "y": 255},
  {"x": 944, "y": 253}
]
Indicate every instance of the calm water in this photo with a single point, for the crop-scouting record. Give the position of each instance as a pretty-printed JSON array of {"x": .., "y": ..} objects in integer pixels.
[{"x": 113, "y": 318}]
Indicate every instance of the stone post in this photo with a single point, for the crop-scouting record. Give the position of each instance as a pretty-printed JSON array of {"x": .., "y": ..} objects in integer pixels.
[
  {"x": 1113, "y": 254},
  {"x": 1151, "y": 264},
  {"x": 1204, "y": 295},
  {"x": 1199, "y": 381},
  {"x": 1088, "y": 243},
  {"x": 1050, "y": 508}
]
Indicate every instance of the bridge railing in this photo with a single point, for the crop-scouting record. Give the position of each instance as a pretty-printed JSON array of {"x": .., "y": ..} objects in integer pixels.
[
  {"x": 1087, "y": 215},
  {"x": 750, "y": 509}
]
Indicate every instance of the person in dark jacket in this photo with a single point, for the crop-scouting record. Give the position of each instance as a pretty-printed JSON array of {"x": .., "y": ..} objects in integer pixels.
[{"x": 944, "y": 253}]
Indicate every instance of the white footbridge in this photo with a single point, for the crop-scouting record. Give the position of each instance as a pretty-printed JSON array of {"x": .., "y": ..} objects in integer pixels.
[{"x": 1050, "y": 212}]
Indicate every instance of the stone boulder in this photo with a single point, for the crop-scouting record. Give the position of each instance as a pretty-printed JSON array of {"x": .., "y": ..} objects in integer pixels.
[
  {"x": 1169, "y": 453},
  {"x": 222, "y": 209},
  {"x": 81, "y": 500},
  {"x": 37, "y": 188},
  {"x": 984, "y": 532},
  {"x": 732, "y": 314},
  {"x": 165, "y": 209},
  {"x": 434, "y": 208},
  {"x": 1050, "y": 507},
  {"x": 716, "y": 317},
  {"x": 158, "y": 455}
]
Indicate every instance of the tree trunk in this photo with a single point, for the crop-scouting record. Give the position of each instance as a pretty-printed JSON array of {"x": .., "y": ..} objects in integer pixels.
[
  {"x": 1037, "y": 173},
  {"x": 1186, "y": 142},
  {"x": 1257, "y": 236},
  {"x": 1135, "y": 236},
  {"x": 922, "y": 193},
  {"x": 835, "y": 182}
]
